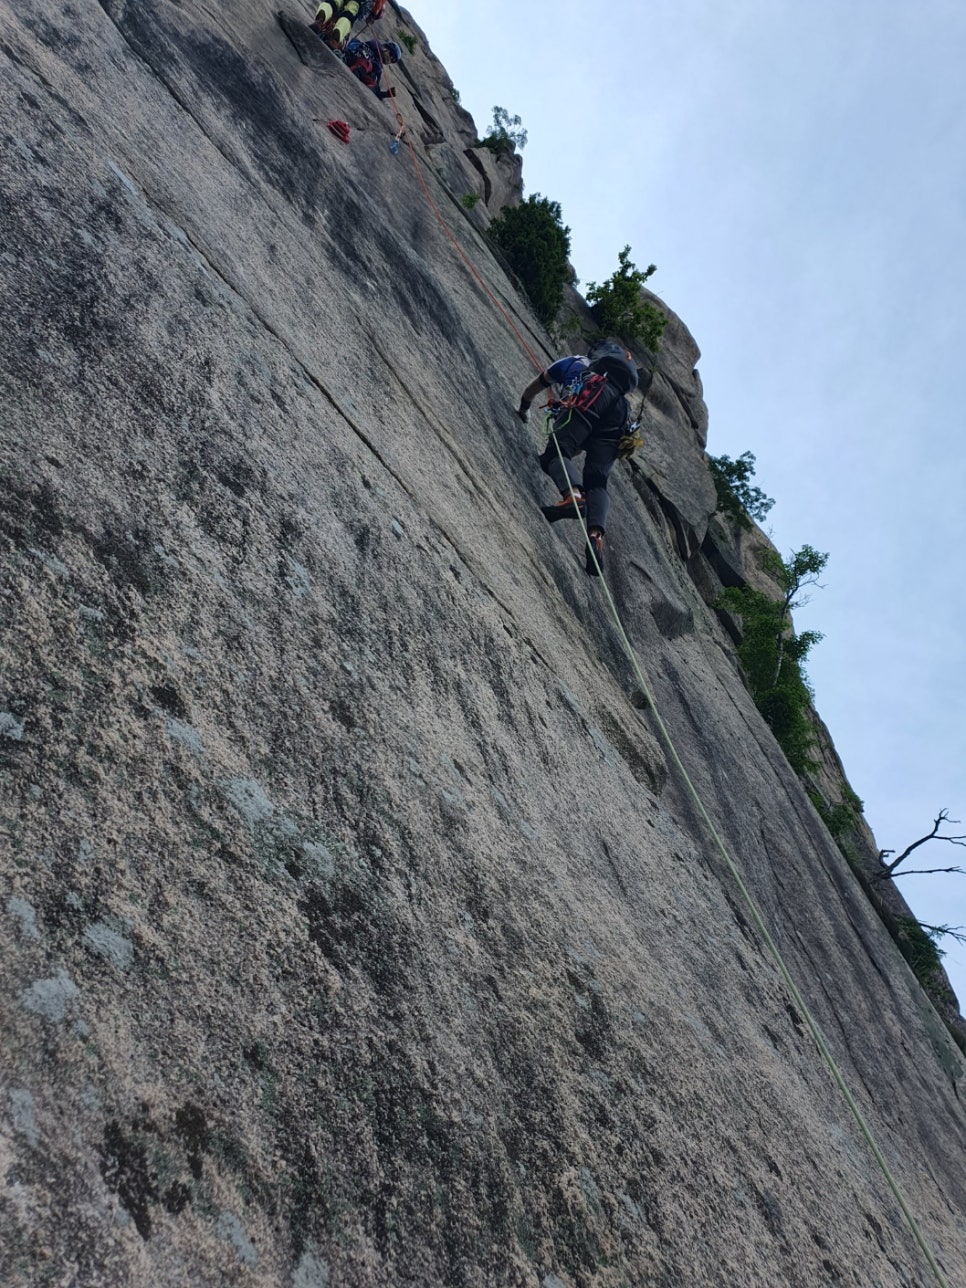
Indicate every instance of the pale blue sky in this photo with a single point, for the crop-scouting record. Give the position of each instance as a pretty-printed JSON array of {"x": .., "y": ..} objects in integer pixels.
[{"x": 797, "y": 174}]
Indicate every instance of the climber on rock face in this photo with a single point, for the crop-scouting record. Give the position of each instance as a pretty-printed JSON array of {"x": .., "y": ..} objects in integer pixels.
[
  {"x": 334, "y": 19},
  {"x": 589, "y": 415},
  {"x": 366, "y": 59}
]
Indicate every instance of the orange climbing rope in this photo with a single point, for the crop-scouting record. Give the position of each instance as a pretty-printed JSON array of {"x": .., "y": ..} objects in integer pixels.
[{"x": 403, "y": 133}]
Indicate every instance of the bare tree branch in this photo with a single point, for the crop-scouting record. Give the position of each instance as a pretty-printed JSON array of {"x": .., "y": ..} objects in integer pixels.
[
  {"x": 934, "y": 835},
  {"x": 918, "y": 872}
]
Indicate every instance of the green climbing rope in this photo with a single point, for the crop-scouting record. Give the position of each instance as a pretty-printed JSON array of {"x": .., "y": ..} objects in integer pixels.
[{"x": 753, "y": 908}]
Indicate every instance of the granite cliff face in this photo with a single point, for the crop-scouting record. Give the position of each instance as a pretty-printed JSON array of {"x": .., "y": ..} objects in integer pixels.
[{"x": 357, "y": 929}]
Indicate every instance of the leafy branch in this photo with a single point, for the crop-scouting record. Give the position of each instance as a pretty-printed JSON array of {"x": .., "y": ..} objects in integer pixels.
[
  {"x": 939, "y": 932},
  {"x": 801, "y": 569},
  {"x": 737, "y": 495},
  {"x": 619, "y": 309},
  {"x": 772, "y": 656},
  {"x": 505, "y": 135}
]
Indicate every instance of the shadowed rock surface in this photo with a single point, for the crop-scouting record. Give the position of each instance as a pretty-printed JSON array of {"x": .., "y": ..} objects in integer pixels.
[{"x": 357, "y": 928}]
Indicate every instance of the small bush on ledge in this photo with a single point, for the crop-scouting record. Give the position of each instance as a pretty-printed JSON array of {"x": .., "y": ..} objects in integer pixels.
[{"x": 536, "y": 245}]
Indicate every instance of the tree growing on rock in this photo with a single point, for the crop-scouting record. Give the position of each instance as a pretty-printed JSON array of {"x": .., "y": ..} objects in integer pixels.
[
  {"x": 772, "y": 655},
  {"x": 506, "y": 135},
  {"x": 737, "y": 495},
  {"x": 536, "y": 245},
  {"x": 619, "y": 309}
]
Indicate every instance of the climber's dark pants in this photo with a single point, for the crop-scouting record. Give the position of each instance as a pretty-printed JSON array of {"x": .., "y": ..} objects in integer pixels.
[{"x": 601, "y": 453}]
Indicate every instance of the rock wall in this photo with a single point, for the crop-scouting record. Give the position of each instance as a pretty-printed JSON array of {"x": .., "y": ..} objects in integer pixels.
[{"x": 357, "y": 930}]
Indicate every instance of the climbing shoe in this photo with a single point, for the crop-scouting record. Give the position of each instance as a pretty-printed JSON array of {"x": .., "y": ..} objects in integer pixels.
[
  {"x": 565, "y": 508},
  {"x": 595, "y": 550},
  {"x": 328, "y": 34}
]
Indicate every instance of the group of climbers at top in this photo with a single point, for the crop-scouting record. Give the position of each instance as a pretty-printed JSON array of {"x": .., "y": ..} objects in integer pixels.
[{"x": 334, "y": 20}]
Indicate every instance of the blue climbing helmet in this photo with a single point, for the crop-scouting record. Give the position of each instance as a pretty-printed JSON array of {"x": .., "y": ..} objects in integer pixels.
[{"x": 390, "y": 51}]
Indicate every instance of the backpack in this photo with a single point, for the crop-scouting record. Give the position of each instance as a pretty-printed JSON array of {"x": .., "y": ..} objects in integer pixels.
[
  {"x": 609, "y": 359},
  {"x": 613, "y": 361}
]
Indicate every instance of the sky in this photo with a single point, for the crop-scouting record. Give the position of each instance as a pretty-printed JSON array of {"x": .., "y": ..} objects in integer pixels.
[{"x": 798, "y": 174}]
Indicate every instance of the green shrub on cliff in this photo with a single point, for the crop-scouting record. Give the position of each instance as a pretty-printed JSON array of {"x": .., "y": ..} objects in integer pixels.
[
  {"x": 619, "y": 309},
  {"x": 840, "y": 817},
  {"x": 536, "y": 245},
  {"x": 919, "y": 946},
  {"x": 737, "y": 495},
  {"x": 772, "y": 656},
  {"x": 506, "y": 135}
]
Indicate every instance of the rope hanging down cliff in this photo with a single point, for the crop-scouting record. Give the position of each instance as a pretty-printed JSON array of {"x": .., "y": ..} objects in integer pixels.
[
  {"x": 746, "y": 895},
  {"x": 759, "y": 920}
]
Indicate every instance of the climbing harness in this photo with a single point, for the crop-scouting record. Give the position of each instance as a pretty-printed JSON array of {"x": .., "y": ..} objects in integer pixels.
[{"x": 581, "y": 394}]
